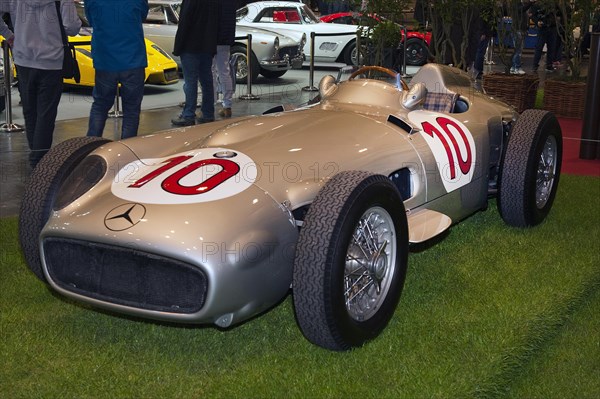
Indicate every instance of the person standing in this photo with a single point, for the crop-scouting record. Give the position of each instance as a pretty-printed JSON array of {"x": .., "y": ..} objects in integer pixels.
[
  {"x": 119, "y": 56},
  {"x": 520, "y": 27},
  {"x": 38, "y": 56},
  {"x": 196, "y": 44},
  {"x": 484, "y": 33},
  {"x": 221, "y": 68},
  {"x": 547, "y": 36}
]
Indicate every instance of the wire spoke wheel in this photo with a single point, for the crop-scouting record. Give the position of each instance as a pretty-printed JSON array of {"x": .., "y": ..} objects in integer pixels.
[
  {"x": 350, "y": 261},
  {"x": 370, "y": 263},
  {"x": 546, "y": 172},
  {"x": 530, "y": 169}
]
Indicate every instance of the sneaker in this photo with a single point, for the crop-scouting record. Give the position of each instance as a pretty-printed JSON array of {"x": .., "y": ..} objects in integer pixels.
[
  {"x": 520, "y": 71},
  {"x": 181, "y": 121},
  {"x": 225, "y": 112},
  {"x": 513, "y": 71},
  {"x": 549, "y": 69},
  {"x": 205, "y": 120}
]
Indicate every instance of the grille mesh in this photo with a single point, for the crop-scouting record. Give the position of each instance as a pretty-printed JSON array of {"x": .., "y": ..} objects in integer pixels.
[
  {"x": 291, "y": 51},
  {"x": 125, "y": 276}
]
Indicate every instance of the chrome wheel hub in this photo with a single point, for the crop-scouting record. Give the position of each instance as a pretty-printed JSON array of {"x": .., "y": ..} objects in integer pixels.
[
  {"x": 370, "y": 264},
  {"x": 546, "y": 172}
]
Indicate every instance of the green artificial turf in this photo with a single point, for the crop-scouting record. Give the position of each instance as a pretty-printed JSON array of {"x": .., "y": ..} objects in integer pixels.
[
  {"x": 539, "y": 99},
  {"x": 490, "y": 311}
]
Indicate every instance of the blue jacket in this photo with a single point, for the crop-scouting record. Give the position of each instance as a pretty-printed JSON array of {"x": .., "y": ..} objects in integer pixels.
[{"x": 118, "y": 37}]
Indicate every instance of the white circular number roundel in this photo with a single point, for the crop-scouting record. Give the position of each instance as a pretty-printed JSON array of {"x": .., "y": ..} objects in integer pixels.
[
  {"x": 452, "y": 145},
  {"x": 201, "y": 175}
]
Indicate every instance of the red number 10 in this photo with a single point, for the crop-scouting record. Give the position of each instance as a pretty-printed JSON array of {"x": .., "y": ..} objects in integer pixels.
[
  {"x": 172, "y": 183},
  {"x": 463, "y": 164}
]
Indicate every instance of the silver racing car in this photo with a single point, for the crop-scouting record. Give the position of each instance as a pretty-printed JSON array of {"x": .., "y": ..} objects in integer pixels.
[{"x": 218, "y": 222}]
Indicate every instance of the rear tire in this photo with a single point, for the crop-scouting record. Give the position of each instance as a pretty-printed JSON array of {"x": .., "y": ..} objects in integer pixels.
[
  {"x": 351, "y": 54},
  {"x": 350, "y": 261},
  {"x": 416, "y": 52},
  {"x": 41, "y": 190},
  {"x": 530, "y": 169}
]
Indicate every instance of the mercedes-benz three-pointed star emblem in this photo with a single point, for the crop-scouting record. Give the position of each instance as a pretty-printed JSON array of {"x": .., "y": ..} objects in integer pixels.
[{"x": 124, "y": 216}]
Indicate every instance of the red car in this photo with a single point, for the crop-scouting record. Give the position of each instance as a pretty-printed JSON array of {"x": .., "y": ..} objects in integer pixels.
[{"x": 417, "y": 45}]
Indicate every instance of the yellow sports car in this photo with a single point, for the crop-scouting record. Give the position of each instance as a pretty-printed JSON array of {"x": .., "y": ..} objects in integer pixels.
[{"x": 161, "y": 69}]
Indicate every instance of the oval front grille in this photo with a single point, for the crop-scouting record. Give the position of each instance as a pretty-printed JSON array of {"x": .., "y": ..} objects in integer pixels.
[{"x": 125, "y": 276}]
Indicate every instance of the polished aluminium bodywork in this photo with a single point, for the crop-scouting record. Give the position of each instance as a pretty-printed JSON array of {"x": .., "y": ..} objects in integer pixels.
[
  {"x": 226, "y": 199},
  {"x": 302, "y": 21},
  {"x": 274, "y": 52}
]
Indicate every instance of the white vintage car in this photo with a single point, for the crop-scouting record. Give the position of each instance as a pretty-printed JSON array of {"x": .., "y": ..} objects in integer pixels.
[
  {"x": 296, "y": 19},
  {"x": 273, "y": 54}
]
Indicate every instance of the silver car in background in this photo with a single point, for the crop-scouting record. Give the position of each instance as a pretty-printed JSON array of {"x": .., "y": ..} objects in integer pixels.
[{"x": 272, "y": 54}]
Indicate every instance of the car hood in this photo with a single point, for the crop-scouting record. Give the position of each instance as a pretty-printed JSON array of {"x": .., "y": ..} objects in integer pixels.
[
  {"x": 257, "y": 33},
  {"x": 293, "y": 153},
  {"x": 296, "y": 30}
]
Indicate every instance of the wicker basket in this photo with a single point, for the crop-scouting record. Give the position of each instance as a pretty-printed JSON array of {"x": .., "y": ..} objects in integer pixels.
[
  {"x": 516, "y": 90},
  {"x": 566, "y": 99}
]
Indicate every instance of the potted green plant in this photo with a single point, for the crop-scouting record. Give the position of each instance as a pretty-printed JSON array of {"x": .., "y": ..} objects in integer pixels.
[
  {"x": 573, "y": 17},
  {"x": 381, "y": 43}
]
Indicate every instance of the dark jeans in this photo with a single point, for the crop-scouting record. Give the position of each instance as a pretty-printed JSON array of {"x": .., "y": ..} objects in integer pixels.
[
  {"x": 131, "y": 92},
  {"x": 198, "y": 67},
  {"x": 480, "y": 53},
  {"x": 548, "y": 37},
  {"x": 40, "y": 91}
]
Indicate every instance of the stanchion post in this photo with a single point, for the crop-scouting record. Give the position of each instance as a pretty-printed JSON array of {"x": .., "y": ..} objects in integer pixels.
[
  {"x": 8, "y": 126},
  {"x": 405, "y": 33},
  {"x": 116, "y": 111},
  {"x": 249, "y": 95},
  {"x": 311, "y": 76},
  {"x": 590, "y": 130}
]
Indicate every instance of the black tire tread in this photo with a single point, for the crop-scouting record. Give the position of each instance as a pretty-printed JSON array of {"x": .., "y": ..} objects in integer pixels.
[
  {"x": 39, "y": 194},
  {"x": 519, "y": 161},
  {"x": 314, "y": 251}
]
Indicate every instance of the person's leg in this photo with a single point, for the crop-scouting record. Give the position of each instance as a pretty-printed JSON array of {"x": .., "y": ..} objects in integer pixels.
[
  {"x": 539, "y": 47},
  {"x": 27, "y": 90},
  {"x": 206, "y": 82},
  {"x": 550, "y": 50},
  {"x": 480, "y": 54},
  {"x": 49, "y": 91},
  {"x": 132, "y": 93},
  {"x": 518, "y": 47},
  {"x": 104, "y": 92},
  {"x": 189, "y": 65},
  {"x": 221, "y": 62}
]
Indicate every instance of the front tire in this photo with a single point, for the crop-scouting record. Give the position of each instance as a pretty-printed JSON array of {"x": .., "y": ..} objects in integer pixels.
[
  {"x": 530, "y": 169},
  {"x": 350, "y": 261},
  {"x": 241, "y": 65},
  {"x": 272, "y": 74},
  {"x": 41, "y": 190}
]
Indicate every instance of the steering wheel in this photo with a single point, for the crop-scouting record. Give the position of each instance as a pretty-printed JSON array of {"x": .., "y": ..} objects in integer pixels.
[{"x": 387, "y": 71}]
